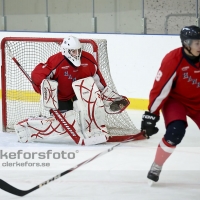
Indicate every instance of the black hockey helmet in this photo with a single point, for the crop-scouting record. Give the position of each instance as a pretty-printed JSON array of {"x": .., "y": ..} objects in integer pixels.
[{"x": 190, "y": 33}]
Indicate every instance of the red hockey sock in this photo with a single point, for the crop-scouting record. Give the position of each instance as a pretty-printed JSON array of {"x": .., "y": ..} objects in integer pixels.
[{"x": 164, "y": 150}]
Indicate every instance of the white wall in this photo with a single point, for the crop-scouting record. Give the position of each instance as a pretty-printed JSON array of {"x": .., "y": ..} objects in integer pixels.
[{"x": 134, "y": 59}]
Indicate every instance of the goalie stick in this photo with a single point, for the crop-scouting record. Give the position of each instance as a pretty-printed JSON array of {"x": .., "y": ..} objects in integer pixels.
[{"x": 15, "y": 191}]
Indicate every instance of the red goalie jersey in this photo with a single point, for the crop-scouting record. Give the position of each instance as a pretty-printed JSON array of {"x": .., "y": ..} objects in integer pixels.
[
  {"x": 59, "y": 68},
  {"x": 177, "y": 78}
]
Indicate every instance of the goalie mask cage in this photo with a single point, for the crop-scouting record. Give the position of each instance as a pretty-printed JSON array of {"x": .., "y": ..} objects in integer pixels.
[{"x": 20, "y": 101}]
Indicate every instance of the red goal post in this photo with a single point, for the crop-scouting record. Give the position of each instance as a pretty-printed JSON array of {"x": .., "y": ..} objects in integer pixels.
[{"x": 19, "y": 101}]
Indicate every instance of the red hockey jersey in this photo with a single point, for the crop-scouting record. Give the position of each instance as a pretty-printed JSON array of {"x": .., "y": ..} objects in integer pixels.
[
  {"x": 64, "y": 72},
  {"x": 178, "y": 78}
]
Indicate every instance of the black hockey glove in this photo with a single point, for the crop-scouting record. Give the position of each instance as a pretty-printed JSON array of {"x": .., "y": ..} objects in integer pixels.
[{"x": 149, "y": 121}]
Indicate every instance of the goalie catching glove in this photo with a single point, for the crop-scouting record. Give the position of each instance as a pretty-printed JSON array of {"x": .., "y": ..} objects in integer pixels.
[
  {"x": 118, "y": 105},
  {"x": 149, "y": 121},
  {"x": 113, "y": 102}
]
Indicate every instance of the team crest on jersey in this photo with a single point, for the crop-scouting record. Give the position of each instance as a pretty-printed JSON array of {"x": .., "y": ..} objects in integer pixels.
[
  {"x": 185, "y": 68},
  {"x": 65, "y": 67},
  {"x": 68, "y": 75},
  {"x": 191, "y": 80}
]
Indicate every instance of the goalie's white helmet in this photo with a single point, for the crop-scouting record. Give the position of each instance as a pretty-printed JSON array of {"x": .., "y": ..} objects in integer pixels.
[{"x": 71, "y": 48}]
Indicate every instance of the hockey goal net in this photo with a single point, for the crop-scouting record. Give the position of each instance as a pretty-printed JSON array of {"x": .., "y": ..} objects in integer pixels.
[{"x": 19, "y": 101}]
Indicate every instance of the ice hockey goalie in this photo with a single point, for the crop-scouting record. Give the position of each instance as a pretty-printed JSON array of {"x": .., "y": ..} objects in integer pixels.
[{"x": 85, "y": 124}]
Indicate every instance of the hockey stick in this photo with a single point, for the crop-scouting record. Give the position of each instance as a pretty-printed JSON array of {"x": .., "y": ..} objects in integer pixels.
[
  {"x": 21, "y": 68},
  {"x": 13, "y": 190}
]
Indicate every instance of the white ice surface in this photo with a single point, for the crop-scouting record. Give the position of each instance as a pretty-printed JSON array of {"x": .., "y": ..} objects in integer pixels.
[{"x": 119, "y": 174}]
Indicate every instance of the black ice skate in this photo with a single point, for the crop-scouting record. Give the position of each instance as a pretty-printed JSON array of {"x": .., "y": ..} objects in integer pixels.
[{"x": 154, "y": 172}]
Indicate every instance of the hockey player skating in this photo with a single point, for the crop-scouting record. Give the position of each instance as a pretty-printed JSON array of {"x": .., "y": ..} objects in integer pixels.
[
  {"x": 176, "y": 91},
  {"x": 74, "y": 91}
]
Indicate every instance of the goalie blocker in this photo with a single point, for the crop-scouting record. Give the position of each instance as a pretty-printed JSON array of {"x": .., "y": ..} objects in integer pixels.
[{"x": 85, "y": 124}]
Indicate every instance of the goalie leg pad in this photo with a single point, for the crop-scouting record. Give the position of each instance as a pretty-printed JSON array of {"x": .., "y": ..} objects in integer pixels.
[
  {"x": 91, "y": 109},
  {"x": 44, "y": 129}
]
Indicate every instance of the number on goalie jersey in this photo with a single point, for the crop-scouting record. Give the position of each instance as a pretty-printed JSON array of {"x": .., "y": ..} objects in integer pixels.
[{"x": 67, "y": 66}]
